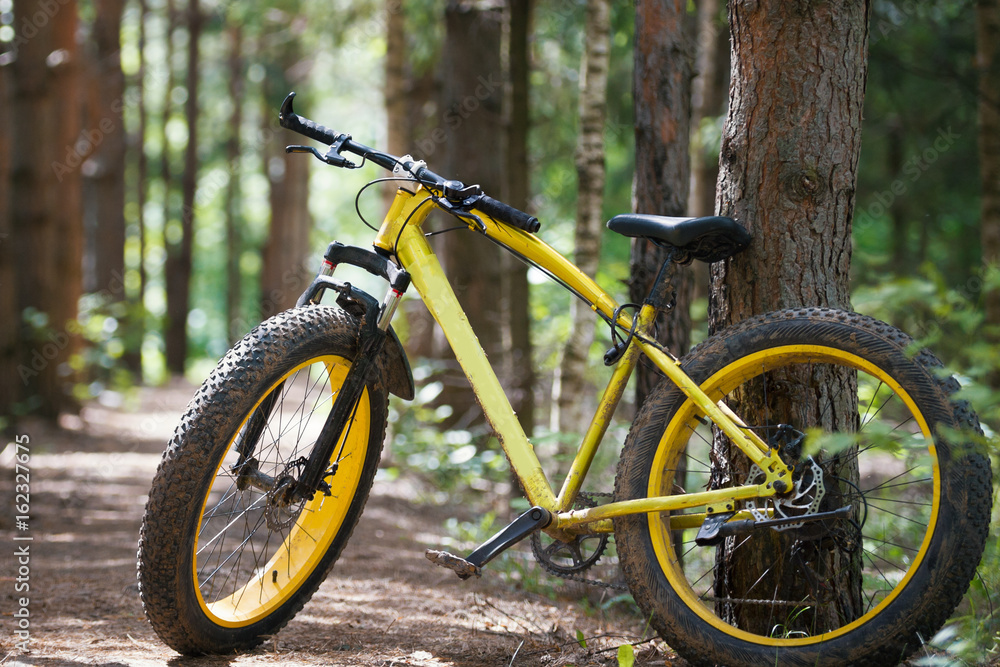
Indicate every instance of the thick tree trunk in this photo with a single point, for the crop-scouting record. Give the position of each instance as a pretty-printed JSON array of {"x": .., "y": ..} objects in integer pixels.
[
  {"x": 47, "y": 235},
  {"x": 180, "y": 255},
  {"x": 988, "y": 64},
  {"x": 662, "y": 84},
  {"x": 788, "y": 171},
  {"x": 589, "y": 217},
  {"x": 473, "y": 120},
  {"x": 517, "y": 318},
  {"x": 286, "y": 270},
  {"x": 234, "y": 218}
]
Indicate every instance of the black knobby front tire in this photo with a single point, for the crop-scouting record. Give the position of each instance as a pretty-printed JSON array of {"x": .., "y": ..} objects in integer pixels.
[
  {"x": 224, "y": 562},
  {"x": 922, "y": 495}
]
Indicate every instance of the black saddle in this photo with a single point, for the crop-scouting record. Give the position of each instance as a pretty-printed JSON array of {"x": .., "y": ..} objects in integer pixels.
[{"x": 708, "y": 239}]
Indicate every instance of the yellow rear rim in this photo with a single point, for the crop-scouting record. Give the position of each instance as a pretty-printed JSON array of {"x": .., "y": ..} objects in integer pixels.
[
  {"x": 679, "y": 432},
  {"x": 249, "y": 556}
]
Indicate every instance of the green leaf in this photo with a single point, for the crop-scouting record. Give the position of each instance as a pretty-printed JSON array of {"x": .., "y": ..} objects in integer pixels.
[
  {"x": 580, "y": 639},
  {"x": 626, "y": 655}
]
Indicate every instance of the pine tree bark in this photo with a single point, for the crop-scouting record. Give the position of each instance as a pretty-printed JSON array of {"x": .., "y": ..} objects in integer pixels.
[
  {"x": 988, "y": 64},
  {"x": 788, "y": 170},
  {"x": 662, "y": 84},
  {"x": 286, "y": 270},
  {"x": 46, "y": 229},
  {"x": 180, "y": 255},
  {"x": 472, "y": 100},
  {"x": 517, "y": 317},
  {"x": 234, "y": 219},
  {"x": 590, "y": 173}
]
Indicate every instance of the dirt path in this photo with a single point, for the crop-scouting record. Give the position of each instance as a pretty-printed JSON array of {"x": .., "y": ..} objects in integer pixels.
[{"x": 383, "y": 605}]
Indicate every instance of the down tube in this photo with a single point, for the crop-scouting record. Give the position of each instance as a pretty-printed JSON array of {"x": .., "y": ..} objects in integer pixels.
[{"x": 430, "y": 281}]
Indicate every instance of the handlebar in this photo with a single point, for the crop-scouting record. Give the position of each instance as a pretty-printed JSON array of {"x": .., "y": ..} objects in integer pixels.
[{"x": 340, "y": 142}]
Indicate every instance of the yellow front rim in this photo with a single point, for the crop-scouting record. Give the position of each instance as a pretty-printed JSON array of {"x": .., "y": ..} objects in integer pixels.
[
  {"x": 250, "y": 553},
  {"x": 679, "y": 432}
]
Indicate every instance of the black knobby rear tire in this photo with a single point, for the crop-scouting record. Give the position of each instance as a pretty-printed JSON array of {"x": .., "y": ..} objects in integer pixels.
[
  {"x": 924, "y": 495},
  {"x": 222, "y": 563}
]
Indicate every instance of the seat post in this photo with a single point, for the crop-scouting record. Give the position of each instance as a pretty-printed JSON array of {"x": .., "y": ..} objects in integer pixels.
[{"x": 662, "y": 294}]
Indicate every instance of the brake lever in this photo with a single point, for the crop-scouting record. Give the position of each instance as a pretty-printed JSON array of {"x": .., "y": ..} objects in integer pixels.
[{"x": 331, "y": 157}]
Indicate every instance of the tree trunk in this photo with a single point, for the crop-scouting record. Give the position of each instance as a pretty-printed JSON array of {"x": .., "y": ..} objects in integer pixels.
[
  {"x": 286, "y": 270},
  {"x": 105, "y": 167},
  {"x": 788, "y": 172},
  {"x": 133, "y": 351},
  {"x": 47, "y": 235},
  {"x": 473, "y": 121},
  {"x": 10, "y": 383},
  {"x": 180, "y": 254},
  {"x": 166, "y": 171},
  {"x": 708, "y": 99},
  {"x": 662, "y": 83},
  {"x": 517, "y": 318},
  {"x": 234, "y": 218},
  {"x": 395, "y": 91},
  {"x": 572, "y": 401},
  {"x": 988, "y": 64}
]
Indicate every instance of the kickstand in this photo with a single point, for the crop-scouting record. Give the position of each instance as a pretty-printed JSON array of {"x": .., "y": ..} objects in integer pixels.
[{"x": 524, "y": 525}]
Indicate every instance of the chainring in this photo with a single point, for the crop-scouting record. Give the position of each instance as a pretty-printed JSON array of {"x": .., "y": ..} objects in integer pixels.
[{"x": 566, "y": 559}]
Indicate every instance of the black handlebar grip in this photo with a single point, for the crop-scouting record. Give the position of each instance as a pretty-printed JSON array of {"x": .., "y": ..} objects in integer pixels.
[
  {"x": 508, "y": 214},
  {"x": 296, "y": 123}
]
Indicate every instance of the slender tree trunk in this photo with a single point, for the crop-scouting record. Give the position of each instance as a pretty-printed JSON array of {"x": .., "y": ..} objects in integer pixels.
[
  {"x": 286, "y": 270},
  {"x": 788, "y": 172},
  {"x": 708, "y": 98},
  {"x": 234, "y": 218},
  {"x": 988, "y": 64},
  {"x": 589, "y": 217},
  {"x": 180, "y": 255},
  {"x": 662, "y": 84},
  {"x": 10, "y": 383},
  {"x": 133, "y": 353},
  {"x": 398, "y": 126},
  {"x": 106, "y": 165},
  {"x": 166, "y": 172},
  {"x": 473, "y": 120},
  {"x": 47, "y": 236},
  {"x": 517, "y": 319}
]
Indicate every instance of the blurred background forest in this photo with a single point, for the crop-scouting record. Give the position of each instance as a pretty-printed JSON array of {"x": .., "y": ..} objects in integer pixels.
[{"x": 149, "y": 216}]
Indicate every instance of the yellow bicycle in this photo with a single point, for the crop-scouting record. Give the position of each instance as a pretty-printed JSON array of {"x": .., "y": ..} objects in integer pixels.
[{"x": 801, "y": 489}]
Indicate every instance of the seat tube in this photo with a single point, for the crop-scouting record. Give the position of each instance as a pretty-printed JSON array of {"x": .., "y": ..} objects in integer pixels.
[{"x": 428, "y": 277}]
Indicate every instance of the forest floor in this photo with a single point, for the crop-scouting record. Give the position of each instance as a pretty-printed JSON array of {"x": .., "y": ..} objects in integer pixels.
[{"x": 383, "y": 604}]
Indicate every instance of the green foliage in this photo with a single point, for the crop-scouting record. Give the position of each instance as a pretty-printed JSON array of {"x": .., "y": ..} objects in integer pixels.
[{"x": 626, "y": 655}]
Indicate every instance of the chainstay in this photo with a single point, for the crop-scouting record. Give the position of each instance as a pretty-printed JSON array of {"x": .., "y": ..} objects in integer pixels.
[{"x": 583, "y": 580}]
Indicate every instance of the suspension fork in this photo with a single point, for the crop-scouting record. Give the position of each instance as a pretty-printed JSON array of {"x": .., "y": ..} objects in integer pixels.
[{"x": 375, "y": 318}]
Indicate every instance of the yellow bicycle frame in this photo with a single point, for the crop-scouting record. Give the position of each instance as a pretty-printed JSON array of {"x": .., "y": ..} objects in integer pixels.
[{"x": 402, "y": 235}]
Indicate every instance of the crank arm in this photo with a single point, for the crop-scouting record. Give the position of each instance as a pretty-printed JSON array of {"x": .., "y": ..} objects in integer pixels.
[{"x": 534, "y": 519}]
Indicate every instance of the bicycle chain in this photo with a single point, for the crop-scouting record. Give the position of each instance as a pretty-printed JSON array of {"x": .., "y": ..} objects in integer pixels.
[{"x": 591, "y": 498}]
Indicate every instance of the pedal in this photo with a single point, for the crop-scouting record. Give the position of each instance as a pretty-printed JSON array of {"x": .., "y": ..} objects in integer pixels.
[
  {"x": 708, "y": 534},
  {"x": 524, "y": 525},
  {"x": 463, "y": 568}
]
